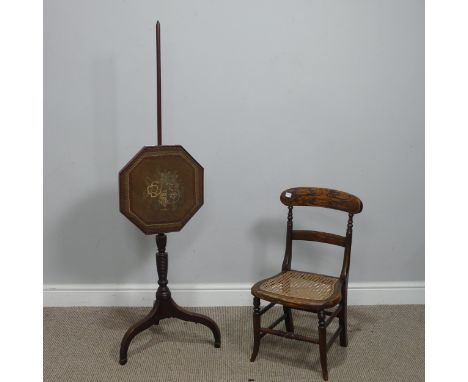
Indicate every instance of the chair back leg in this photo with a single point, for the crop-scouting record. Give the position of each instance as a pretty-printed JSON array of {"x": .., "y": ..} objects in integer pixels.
[
  {"x": 256, "y": 328},
  {"x": 323, "y": 344},
  {"x": 343, "y": 319},
  {"x": 288, "y": 320}
]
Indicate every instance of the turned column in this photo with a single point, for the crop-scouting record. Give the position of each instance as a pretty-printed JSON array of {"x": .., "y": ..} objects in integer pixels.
[{"x": 163, "y": 292}]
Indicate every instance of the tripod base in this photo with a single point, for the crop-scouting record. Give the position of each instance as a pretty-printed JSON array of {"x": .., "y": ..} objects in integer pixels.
[{"x": 166, "y": 308}]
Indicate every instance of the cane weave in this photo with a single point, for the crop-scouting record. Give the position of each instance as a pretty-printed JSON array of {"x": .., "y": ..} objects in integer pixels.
[{"x": 301, "y": 285}]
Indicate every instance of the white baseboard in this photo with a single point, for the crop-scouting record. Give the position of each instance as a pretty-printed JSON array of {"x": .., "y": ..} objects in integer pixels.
[{"x": 215, "y": 294}]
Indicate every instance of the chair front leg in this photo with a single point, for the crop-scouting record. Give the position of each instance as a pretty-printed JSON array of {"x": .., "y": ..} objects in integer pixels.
[
  {"x": 256, "y": 328},
  {"x": 288, "y": 319},
  {"x": 323, "y": 344}
]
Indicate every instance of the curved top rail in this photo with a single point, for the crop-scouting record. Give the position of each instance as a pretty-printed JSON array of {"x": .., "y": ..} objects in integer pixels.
[{"x": 321, "y": 197}]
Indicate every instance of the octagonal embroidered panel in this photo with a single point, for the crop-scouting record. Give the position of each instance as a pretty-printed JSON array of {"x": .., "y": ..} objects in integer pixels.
[{"x": 161, "y": 188}]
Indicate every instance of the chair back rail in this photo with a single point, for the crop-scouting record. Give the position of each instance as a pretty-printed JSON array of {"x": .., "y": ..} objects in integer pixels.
[
  {"x": 322, "y": 237},
  {"x": 321, "y": 197}
]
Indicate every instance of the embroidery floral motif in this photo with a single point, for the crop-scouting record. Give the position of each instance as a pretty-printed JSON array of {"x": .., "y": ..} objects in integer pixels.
[{"x": 166, "y": 189}]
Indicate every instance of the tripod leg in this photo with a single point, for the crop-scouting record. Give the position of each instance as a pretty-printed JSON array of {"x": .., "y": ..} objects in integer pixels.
[
  {"x": 183, "y": 314},
  {"x": 135, "y": 329}
]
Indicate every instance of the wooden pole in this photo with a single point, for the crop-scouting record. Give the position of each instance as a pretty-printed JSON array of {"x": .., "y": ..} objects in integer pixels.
[{"x": 158, "y": 79}]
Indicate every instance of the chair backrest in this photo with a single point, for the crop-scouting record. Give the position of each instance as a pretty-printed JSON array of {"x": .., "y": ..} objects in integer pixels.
[
  {"x": 321, "y": 197},
  {"x": 326, "y": 198}
]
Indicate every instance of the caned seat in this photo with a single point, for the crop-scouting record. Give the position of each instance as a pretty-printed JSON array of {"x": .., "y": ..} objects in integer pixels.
[
  {"x": 312, "y": 292},
  {"x": 297, "y": 289}
]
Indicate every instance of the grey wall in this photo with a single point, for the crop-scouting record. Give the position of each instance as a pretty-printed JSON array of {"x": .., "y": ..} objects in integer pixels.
[{"x": 266, "y": 95}]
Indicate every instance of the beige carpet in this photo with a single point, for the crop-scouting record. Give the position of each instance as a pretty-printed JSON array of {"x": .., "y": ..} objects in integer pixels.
[{"x": 386, "y": 343}]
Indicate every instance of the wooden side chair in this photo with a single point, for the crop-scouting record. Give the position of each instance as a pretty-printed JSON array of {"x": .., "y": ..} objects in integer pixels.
[{"x": 306, "y": 291}]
